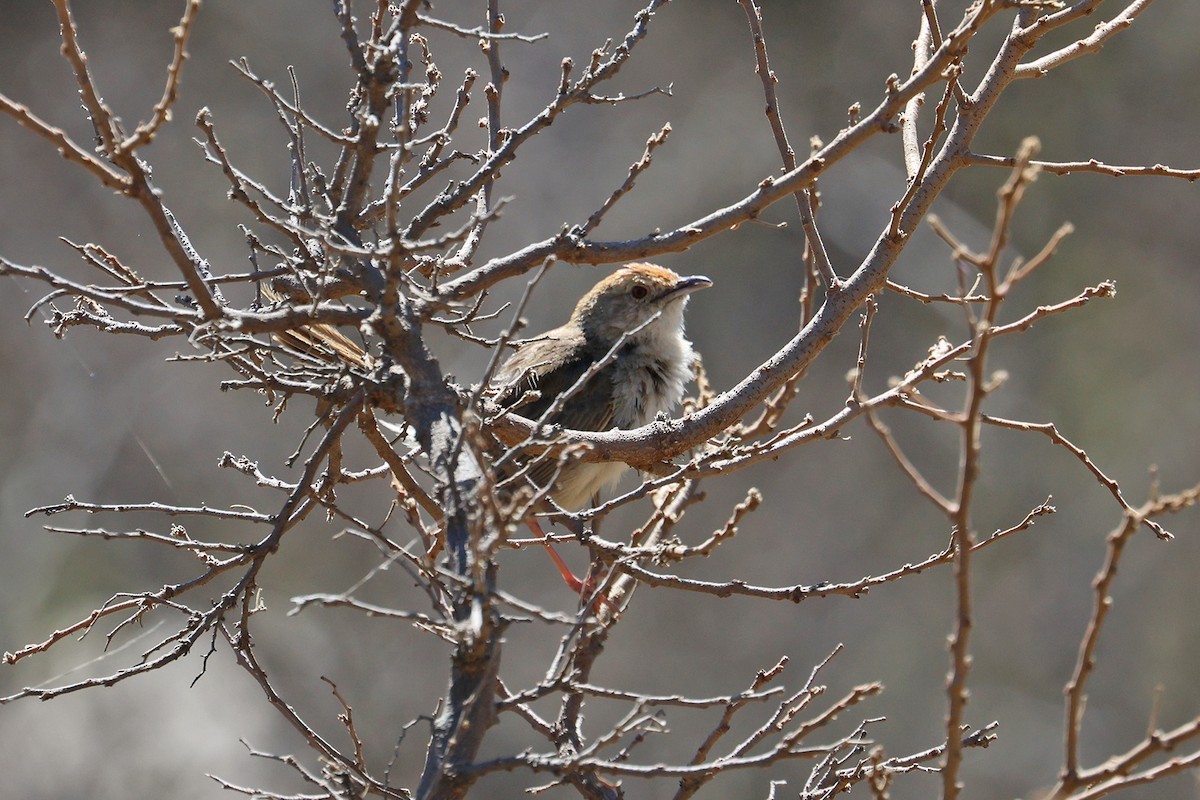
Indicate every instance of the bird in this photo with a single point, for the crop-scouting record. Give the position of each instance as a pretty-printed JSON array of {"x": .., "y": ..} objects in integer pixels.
[{"x": 620, "y": 361}]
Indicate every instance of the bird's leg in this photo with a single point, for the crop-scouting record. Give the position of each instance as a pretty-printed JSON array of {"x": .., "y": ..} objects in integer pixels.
[
  {"x": 567, "y": 576},
  {"x": 575, "y": 584}
]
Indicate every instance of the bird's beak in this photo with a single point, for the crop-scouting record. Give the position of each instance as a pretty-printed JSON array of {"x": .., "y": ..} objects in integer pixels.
[{"x": 684, "y": 286}]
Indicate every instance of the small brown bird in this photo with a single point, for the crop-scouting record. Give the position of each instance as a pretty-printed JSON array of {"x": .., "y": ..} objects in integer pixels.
[{"x": 633, "y": 321}]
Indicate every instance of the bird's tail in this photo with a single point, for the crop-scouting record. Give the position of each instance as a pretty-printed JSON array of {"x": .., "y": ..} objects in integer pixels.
[{"x": 318, "y": 340}]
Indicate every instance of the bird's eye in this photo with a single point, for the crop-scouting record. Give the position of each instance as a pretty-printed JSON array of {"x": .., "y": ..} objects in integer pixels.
[{"x": 639, "y": 292}]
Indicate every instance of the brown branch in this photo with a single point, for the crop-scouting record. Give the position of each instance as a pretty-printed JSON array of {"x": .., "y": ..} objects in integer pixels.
[
  {"x": 1089, "y": 44},
  {"x": 635, "y": 170},
  {"x": 1050, "y": 430},
  {"x": 1092, "y": 165},
  {"x": 922, "y": 484},
  {"x": 504, "y": 153},
  {"x": 962, "y": 507},
  {"x": 145, "y": 132},
  {"x": 1118, "y": 771},
  {"x": 478, "y": 32},
  {"x": 804, "y": 197},
  {"x": 66, "y": 147},
  {"x": 799, "y": 592}
]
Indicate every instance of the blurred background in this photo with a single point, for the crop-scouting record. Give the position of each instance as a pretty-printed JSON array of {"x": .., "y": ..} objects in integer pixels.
[{"x": 108, "y": 419}]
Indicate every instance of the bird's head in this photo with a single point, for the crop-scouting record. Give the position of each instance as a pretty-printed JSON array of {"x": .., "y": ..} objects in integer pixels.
[{"x": 643, "y": 301}]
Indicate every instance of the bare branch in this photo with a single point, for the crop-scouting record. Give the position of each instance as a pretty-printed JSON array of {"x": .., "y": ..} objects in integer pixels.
[{"x": 1089, "y": 44}]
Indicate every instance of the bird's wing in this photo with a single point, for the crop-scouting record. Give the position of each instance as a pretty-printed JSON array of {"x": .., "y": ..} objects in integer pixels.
[{"x": 552, "y": 364}]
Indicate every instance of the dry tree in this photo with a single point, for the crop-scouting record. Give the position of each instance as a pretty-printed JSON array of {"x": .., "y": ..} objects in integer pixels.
[{"x": 370, "y": 256}]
